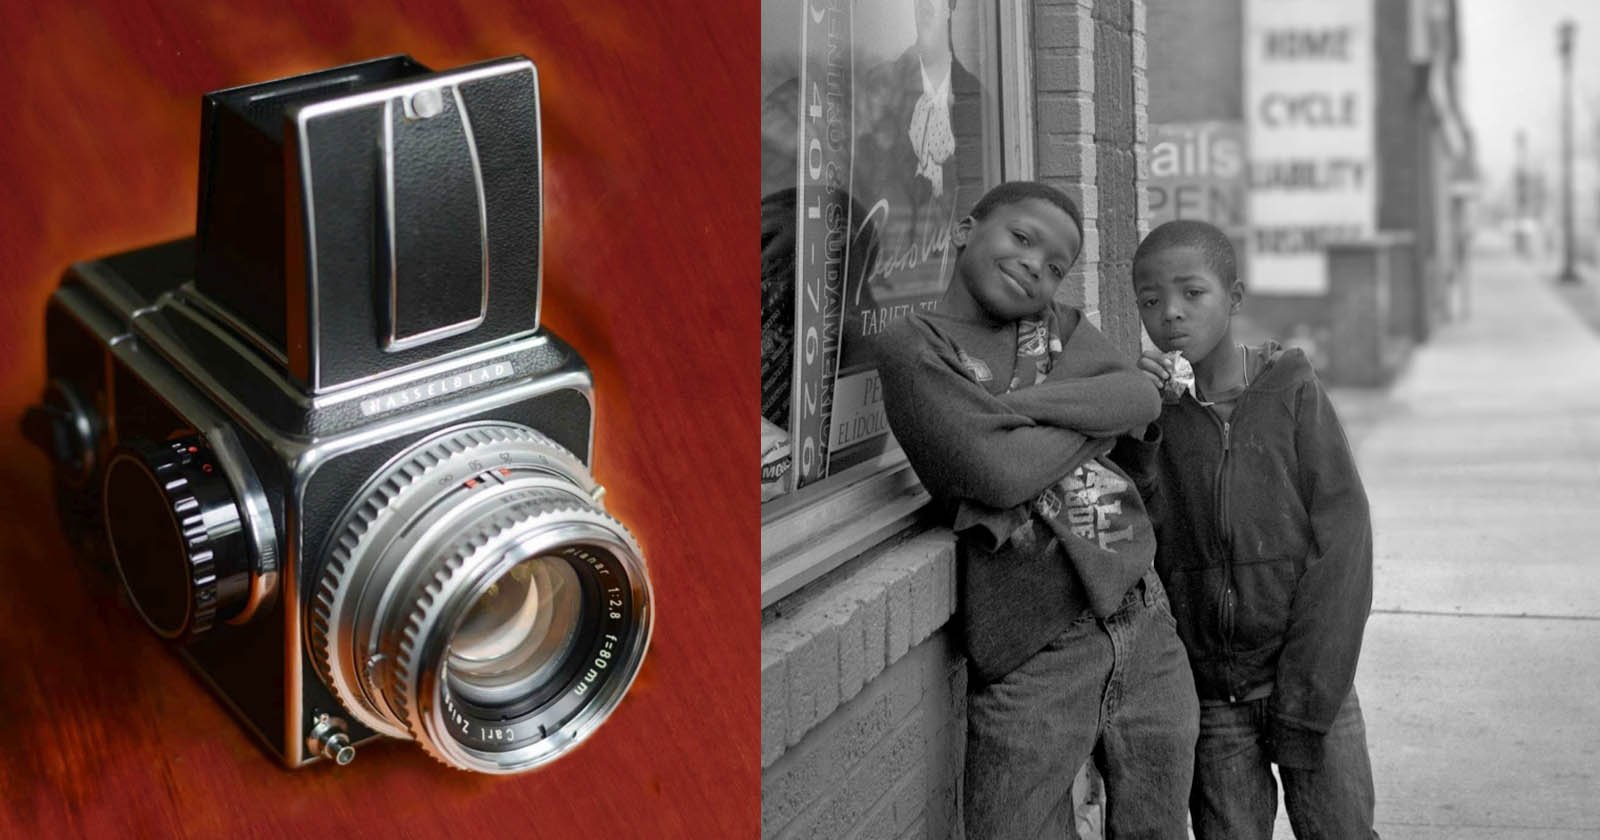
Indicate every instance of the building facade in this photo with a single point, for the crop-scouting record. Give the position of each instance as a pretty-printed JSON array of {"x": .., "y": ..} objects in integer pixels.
[
  {"x": 1347, "y": 201},
  {"x": 883, "y": 122}
]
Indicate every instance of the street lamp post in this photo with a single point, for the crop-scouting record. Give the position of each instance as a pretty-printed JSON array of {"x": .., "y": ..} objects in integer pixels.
[{"x": 1566, "y": 33}]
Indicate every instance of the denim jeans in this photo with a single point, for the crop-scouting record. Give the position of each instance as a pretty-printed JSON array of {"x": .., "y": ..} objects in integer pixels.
[
  {"x": 1118, "y": 690},
  {"x": 1236, "y": 798}
]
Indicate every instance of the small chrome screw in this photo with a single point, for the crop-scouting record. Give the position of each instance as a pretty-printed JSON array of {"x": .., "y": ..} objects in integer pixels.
[{"x": 427, "y": 104}]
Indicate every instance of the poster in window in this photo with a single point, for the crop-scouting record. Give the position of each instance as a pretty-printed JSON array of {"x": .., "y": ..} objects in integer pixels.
[{"x": 921, "y": 146}]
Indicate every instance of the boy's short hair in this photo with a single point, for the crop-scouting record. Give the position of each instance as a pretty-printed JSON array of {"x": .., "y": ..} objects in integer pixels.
[
  {"x": 1012, "y": 192},
  {"x": 1205, "y": 237}
]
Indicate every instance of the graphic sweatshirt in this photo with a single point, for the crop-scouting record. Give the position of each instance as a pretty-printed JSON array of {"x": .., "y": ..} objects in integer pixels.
[{"x": 1011, "y": 427}]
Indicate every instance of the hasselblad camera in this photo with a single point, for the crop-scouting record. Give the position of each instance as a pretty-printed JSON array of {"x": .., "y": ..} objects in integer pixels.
[{"x": 324, "y": 444}]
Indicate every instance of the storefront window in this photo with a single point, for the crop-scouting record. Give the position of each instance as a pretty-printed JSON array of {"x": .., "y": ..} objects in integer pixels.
[{"x": 881, "y": 127}]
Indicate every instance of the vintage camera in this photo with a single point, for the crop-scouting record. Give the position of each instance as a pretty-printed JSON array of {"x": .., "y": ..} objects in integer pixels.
[{"x": 324, "y": 443}]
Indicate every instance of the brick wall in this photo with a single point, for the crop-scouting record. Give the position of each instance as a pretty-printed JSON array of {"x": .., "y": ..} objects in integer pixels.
[
  {"x": 1064, "y": 125},
  {"x": 1085, "y": 102},
  {"x": 863, "y": 700},
  {"x": 1119, "y": 187}
]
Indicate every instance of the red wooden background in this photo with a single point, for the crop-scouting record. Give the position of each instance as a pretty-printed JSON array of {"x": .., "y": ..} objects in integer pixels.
[{"x": 651, "y": 167}]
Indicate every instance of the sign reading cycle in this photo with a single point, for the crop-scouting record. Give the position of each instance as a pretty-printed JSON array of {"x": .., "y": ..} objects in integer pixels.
[{"x": 1310, "y": 106}]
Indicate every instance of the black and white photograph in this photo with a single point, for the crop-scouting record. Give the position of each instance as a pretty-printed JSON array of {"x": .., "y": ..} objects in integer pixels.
[{"x": 1180, "y": 419}]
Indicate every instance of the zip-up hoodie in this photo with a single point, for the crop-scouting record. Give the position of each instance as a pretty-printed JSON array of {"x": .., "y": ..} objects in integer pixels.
[{"x": 1264, "y": 543}]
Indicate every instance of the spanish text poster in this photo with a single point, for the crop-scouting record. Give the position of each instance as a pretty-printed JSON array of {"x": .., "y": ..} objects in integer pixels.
[{"x": 823, "y": 225}]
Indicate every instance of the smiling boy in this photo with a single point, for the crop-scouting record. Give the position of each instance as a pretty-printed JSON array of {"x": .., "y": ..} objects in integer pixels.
[
  {"x": 1265, "y": 546},
  {"x": 1007, "y": 405}
]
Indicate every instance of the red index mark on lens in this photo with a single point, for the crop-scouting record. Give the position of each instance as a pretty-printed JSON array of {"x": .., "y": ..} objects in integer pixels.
[
  {"x": 471, "y": 483},
  {"x": 505, "y": 471}
]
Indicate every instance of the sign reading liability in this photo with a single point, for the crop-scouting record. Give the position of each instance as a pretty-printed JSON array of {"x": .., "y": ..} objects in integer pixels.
[{"x": 1310, "y": 99}]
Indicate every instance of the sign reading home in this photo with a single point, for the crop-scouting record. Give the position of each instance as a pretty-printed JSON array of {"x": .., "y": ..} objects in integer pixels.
[{"x": 1309, "y": 91}]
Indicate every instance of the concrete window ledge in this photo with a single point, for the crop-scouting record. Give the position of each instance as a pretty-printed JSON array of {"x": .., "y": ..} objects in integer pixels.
[{"x": 820, "y": 646}]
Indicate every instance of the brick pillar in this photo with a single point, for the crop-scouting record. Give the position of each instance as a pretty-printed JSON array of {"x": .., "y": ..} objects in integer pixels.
[
  {"x": 1119, "y": 189},
  {"x": 1091, "y": 100},
  {"x": 1141, "y": 121},
  {"x": 1064, "y": 118}
]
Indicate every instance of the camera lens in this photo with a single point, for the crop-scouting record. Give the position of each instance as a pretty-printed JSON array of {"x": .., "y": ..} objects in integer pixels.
[{"x": 478, "y": 600}]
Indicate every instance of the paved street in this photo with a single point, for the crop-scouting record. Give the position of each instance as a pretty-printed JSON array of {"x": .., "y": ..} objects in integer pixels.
[{"x": 1480, "y": 675}]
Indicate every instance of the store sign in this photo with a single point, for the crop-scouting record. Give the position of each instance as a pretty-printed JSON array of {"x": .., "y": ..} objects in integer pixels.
[
  {"x": 1310, "y": 95},
  {"x": 822, "y": 228},
  {"x": 1197, "y": 171}
]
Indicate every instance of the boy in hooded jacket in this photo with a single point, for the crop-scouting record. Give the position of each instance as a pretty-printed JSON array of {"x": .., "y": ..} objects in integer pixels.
[{"x": 1265, "y": 548}]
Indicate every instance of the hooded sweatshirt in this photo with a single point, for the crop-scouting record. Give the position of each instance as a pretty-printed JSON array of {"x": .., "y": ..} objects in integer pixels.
[{"x": 1265, "y": 547}]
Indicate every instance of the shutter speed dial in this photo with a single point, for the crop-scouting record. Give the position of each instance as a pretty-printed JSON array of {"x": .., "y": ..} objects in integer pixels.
[{"x": 176, "y": 536}]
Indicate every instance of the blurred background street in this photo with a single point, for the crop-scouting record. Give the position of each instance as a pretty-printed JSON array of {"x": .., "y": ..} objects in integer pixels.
[{"x": 1482, "y": 661}]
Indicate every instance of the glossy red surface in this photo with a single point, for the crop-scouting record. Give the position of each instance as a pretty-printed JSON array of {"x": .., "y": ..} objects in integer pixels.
[{"x": 650, "y": 161}]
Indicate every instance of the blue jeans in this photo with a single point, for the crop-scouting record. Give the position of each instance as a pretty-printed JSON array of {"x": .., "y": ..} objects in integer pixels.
[
  {"x": 1236, "y": 798},
  {"x": 1119, "y": 690}
]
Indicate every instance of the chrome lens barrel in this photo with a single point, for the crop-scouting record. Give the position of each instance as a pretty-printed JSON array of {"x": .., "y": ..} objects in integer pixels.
[{"x": 478, "y": 600}]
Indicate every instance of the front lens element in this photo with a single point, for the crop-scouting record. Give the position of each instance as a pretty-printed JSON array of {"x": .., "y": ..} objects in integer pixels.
[{"x": 518, "y": 633}]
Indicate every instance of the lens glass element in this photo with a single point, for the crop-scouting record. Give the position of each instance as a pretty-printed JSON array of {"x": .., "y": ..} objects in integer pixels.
[{"x": 516, "y": 635}]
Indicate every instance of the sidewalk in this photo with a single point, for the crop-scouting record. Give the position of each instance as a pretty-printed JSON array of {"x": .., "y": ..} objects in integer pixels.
[{"x": 1480, "y": 675}]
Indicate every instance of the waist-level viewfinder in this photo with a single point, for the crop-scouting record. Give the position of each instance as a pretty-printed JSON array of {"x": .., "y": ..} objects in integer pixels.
[{"x": 366, "y": 218}]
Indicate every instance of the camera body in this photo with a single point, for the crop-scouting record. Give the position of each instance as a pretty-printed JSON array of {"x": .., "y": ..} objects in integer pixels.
[{"x": 325, "y": 445}]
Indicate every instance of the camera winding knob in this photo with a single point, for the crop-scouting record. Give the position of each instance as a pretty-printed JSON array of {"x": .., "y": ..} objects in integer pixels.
[{"x": 175, "y": 535}]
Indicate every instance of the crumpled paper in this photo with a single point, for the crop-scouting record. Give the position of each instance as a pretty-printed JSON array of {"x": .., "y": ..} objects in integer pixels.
[{"x": 1182, "y": 378}]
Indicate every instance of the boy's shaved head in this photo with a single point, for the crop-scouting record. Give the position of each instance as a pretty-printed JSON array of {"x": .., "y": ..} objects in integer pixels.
[
  {"x": 1012, "y": 192},
  {"x": 1207, "y": 238}
]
